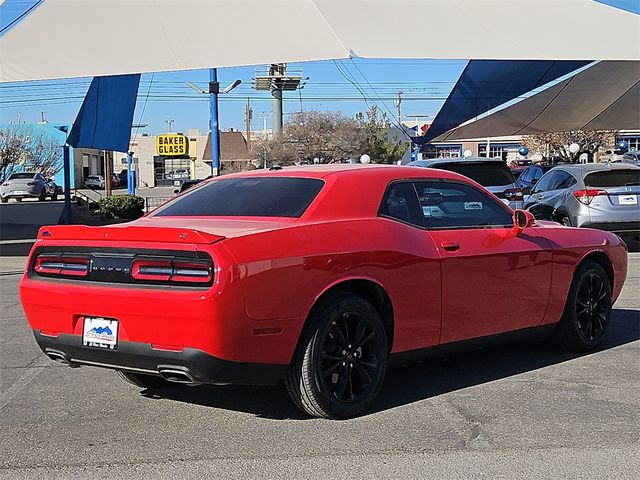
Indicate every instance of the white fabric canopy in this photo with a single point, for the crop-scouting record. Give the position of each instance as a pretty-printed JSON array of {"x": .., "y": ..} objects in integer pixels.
[{"x": 71, "y": 38}]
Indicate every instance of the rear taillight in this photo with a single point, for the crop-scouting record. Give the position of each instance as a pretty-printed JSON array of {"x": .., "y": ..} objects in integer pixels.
[
  {"x": 514, "y": 194},
  {"x": 171, "y": 271},
  {"x": 586, "y": 196},
  {"x": 62, "y": 265}
]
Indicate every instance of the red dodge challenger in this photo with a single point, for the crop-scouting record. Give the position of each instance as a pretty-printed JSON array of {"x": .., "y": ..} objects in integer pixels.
[{"x": 313, "y": 275}]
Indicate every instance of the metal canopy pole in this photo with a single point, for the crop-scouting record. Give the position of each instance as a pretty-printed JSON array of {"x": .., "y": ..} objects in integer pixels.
[{"x": 66, "y": 167}]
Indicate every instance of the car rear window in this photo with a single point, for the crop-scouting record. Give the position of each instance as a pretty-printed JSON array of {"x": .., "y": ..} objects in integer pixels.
[
  {"x": 486, "y": 174},
  {"x": 246, "y": 197},
  {"x": 16, "y": 176},
  {"x": 613, "y": 178}
]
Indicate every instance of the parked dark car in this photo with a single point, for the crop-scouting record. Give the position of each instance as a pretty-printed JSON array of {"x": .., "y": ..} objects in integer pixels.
[{"x": 491, "y": 173}]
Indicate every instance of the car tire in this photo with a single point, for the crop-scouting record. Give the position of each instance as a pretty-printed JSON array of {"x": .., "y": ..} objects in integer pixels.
[
  {"x": 586, "y": 314},
  {"x": 43, "y": 195},
  {"x": 54, "y": 197},
  {"x": 144, "y": 381},
  {"x": 4, "y": 199},
  {"x": 18, "y": 199},
  {"x": 564, "y": 220},
  {"x": 340, "y": 363}
]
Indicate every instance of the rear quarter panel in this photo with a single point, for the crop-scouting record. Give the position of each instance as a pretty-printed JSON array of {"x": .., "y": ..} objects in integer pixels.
[{"x": 284, "y": 272}]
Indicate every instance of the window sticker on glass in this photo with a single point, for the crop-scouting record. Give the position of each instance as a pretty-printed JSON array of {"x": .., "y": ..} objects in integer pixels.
[{"x": 473, "y": 205}]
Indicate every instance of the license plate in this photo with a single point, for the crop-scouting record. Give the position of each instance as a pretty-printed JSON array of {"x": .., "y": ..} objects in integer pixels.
[
  {"x": 628, "y": 199},
  {"x": 100, "y": 332}
]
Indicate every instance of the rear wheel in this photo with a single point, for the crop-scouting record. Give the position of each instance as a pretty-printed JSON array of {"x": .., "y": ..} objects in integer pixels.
[
  {"x": 43, "y": 195},
  {"x": 144, "y": 381},
  {"x": 586, "y": 315},
  {"x": 54, "y": 197},
  {"x": 566, "y": 221},
  {"x": 340, "y": 363},
  {"x": 4, "y": 199}
]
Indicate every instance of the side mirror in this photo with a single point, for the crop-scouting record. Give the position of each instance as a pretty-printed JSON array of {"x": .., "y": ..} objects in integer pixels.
[{"x": 521, "y": 219}]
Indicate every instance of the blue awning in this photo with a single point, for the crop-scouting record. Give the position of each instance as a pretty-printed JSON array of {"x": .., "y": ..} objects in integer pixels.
[
  {"x": 106, "y": 115},
  {"x": 486, "y": 84}
]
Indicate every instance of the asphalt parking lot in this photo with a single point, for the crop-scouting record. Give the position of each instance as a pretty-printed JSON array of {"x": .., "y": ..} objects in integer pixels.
[{"x": 516, "y": 410}]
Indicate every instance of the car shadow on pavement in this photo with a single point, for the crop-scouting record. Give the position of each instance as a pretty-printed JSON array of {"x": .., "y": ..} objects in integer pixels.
[{"x": 435, "y": 374}]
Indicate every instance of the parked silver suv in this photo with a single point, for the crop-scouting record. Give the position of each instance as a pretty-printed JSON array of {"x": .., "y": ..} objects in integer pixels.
[{"x": 602, "y": 196}]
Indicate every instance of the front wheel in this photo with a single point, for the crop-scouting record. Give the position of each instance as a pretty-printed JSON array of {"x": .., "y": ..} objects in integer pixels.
[
  {"x": 586, "y": 315},
  {"x": 43, "y": 196},
  {"x": 4, "y": 199},
  {"x": 340, "y": 363},
  {"x": 144, "y": 381}
]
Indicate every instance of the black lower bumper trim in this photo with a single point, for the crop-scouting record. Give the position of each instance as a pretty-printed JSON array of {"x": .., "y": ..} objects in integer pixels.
[
  {"x": 140, "y": 357},
  {"x": 615, "y": 227}
]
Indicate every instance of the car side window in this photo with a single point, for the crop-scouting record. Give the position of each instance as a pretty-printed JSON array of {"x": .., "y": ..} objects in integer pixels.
[
  {"x": 448, "y": 205},
  {"x": 526, "y": 176},
  {"x": 400, "y": 202},
  {"x": 537, "y": 173},
  {"x": 563, "y": 180},
  {"x": 545, "y": 182}
]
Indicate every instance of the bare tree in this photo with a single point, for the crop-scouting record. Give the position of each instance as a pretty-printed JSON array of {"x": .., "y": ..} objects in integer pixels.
[
  {"x": 25, "y": 149},
  {"x": 557, "y": 143},
  {"x": 329, "y": 137}
]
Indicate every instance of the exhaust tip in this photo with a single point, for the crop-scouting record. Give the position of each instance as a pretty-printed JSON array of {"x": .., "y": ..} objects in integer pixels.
[
  {"x": 57, "y": 356},
  {"x": 177, "y": 375}
]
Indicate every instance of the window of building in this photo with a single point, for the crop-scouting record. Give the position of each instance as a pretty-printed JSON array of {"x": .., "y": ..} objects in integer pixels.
[{"x": 504, "y": 151}]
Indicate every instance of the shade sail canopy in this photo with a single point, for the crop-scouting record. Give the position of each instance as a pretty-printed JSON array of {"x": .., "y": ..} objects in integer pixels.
[
  {"x": 68, "y": 38},
  {"x": 486, "y": 84},
  {"x": 104, "y": 120},
  {"x": 605, "y": 96}
]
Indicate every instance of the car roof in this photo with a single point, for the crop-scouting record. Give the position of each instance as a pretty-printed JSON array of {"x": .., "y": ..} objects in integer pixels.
[
  {"x": 585, "y": 168},
  {"x": 455, "y": 160}
]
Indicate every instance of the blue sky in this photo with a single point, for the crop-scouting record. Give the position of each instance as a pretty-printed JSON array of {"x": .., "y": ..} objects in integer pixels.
[{"x": 425, "y": 85}]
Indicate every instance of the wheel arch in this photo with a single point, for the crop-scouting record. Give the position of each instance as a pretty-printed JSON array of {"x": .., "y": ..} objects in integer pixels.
[
  {"x": 602, "y": 259},
  {"x": 369, "y": 289}
]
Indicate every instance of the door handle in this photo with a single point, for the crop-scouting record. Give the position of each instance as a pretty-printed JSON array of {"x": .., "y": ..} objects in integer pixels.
[{"x": 450, "y": 246}]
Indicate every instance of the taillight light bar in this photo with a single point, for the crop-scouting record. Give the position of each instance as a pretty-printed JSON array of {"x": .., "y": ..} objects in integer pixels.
[
  {"x": 171, "y": 271},
  {"x": 587, "y": 195},
  {"x": 514, "y": 194},
  {"x": 62, "y": 265}
]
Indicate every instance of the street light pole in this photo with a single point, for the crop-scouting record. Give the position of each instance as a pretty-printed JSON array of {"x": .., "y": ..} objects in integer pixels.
[{"x": 214, "y": 88}]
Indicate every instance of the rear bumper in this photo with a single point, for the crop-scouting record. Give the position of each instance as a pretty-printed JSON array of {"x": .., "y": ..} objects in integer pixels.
[
  {"x": 615, "y": 227},
  {"x": 142, "y": 358}
]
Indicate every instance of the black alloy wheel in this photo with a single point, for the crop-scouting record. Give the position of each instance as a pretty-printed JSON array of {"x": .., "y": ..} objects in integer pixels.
[
  {"x": 586, "y": 315},
  {"x": 593, "y": 304},
  {"x": 340, "y": 363},
  {"x": 566, "y": 221}
]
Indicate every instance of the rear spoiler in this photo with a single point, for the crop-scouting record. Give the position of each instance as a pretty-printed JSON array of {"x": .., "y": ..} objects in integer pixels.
[{"x": 127, "y": 233}]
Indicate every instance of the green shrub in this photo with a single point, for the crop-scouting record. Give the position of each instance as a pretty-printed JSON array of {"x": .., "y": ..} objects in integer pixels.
[{"x": 121, "y": 206}]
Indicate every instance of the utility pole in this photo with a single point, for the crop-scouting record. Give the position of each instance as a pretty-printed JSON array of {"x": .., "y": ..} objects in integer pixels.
[
  {"x": 214, "y": 89},
  {"x": 248, "y": 114},
  {"x": 107, "y": 174},
  {"x": 398, "y": 102}
]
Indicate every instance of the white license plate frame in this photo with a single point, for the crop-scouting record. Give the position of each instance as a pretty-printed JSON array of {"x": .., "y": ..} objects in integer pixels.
[
  {"x": 630, "y": 199},
  {"x": 100, "y": 332}
]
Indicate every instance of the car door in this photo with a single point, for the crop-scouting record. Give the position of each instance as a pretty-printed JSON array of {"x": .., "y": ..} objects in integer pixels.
[
  {"x": 492, "y": 280},
  {"x": 537, "y": 203}
]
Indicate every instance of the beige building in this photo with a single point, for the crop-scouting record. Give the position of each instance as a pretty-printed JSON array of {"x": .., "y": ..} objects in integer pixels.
[{"x": 154, "y": 168}]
